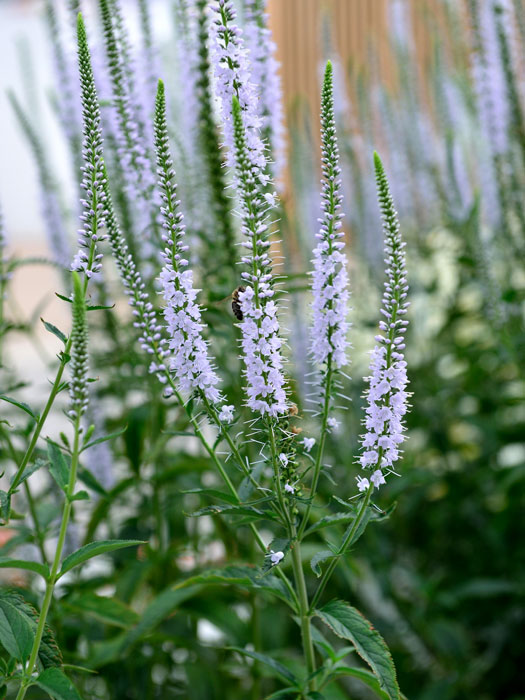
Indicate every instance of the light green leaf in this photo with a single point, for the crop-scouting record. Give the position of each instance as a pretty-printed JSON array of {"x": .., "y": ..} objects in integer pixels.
[
  {"x": 323, "y": 555},
  {"x": 219, "y": 509},
  {"x": 42, "y": 569},
  {"x": 104, "y": 438},
  {"x": 93, "y": 549},
  {"x": 348, "y": 623},
  {"x": 279, "y": 669},
  {"x": 19, "y": 404},
  {"x": 57, "y": 465},
  {"x": 57, "y": 685}
]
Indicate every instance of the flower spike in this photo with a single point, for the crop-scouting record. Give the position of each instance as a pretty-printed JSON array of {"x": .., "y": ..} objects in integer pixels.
[{"x": 387, "y": 396}]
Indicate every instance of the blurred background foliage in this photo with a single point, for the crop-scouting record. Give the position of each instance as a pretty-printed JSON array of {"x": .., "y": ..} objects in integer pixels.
[{"x": 442, "y": 578}]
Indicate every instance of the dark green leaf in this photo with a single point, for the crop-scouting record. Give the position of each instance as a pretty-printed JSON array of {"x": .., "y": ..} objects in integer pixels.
[
  {"x": 332, "y": 519},
  {"x": 348, "y": 623},
  {"x": 16, "y": 634},
  {"x": 20, "y": 404},
  {"x": 365, "y": 676},
  {"x": 89, "y": 480},
  {"x": 5, "y": 505},
  {"x": 28, "y": 471},
  {"x": 35, "y": 566},
  {"x": 214, "y": 493},
  {"x": 109, "y": 610},
  {"x": 318, "y": 557},
  {"x": 80, "y": 496},
  {"x": 219, "y": 509},
  {"x": 157, "y": 611},
  {"x": 94, "y": 549},
  {"x": 244, "y": 576},
  {"x": 55, "y": 331},
  {"x": 57, "y": 685},
  {"x": 279, "y": 669}
]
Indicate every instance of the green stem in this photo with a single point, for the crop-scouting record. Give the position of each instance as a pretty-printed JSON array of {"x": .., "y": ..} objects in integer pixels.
[
  {"x": 319, "y": 459},
  {"x": 342, "y": 549},
  {"x": 53, "y": 576},
  {"x": 30, "y": 500},
  {"x": 306, "y": 633}
]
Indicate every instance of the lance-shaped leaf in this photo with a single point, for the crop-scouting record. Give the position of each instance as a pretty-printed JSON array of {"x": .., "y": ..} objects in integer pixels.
[
  {"x": 94, "y": 549},
  {"x": 57, "y": 685},
  {"x": 348, "y": 623},
  {"x": 36, "y": 567},
  {"x": 276, "y": 667},
  {"x": 16, "y": 635}
]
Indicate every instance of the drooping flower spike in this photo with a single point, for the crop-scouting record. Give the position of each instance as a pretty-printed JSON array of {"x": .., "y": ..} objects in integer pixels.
[
  {"x": 189, "y": 360},
  {"x": 386, "y": 395},
  {"x": 87, "y": 258}
]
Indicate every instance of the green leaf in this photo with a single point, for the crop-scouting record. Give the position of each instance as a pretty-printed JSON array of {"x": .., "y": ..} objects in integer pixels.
[
  {"x": 5, "y": 505},
  {"x": 16, "y": 634},
  {"x": 348, "y": 623},
  {"x": 28, "y": 471},
  {"x": 362, "y": 527},
  {"x": 80, "y": 496},
  {"x": 332, "y": 519},
  {"x": 20, "y": 404},
  {"x": 323, "y": 555},
  {"x": 108, "y": 610},
  {"x": 278, "y": 544},
  {"x": 57, "y": 685},
  {"x": 57, "y": 465},
  {"x": 93, "y": 549},
  {"x": 91, "y": 482},
  {"x": 365, "y": 676},
  {"x": 104, "y": 438},
  {"x": 42, "y": 569},
  {"x": 219, "y": 509},
  {"x": 279, "y": 669},
  {"x": 55, "y": 331},
  {"x": 99, "y": 307},
  {"x": 286, "y": 693},
  {"x": 213, "y": 493},
  {"x": 244, "y": 576},
  {"x": 157, "y": 611}
]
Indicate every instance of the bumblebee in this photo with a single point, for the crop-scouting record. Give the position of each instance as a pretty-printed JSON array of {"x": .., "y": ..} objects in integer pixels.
[{"x": 236, "y": 306}]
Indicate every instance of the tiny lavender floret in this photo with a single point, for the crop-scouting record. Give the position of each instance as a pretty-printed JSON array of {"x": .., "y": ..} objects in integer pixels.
[
  {"x": 387, "y": 395},
  {"x": 189, "y": 359},
  {"x": 93, "y": 218}
]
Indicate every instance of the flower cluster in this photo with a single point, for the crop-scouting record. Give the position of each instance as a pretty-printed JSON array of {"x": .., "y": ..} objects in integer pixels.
[
  {"x": 330, "y": 281},
  {"x": 134, "y": 163},
  {"x": 261, "y": 344},
  {"x": 93, "y": 215},
  {"x": 387, "y": 395},
  {"x": 265, "y": 75},
  {"x": 189, "y": 360},
  {"x": 232, "y": 70}
]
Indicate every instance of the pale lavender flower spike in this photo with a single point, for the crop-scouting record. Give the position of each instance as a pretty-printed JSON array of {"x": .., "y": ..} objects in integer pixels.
[
  {"x": 189, "y": 360},
  {"x": 261, "y": 344},
  {"x": 329, "y": 279},
  {"x": 232, "y": 69},
  {"x": 387, "y": 396},
  {"x": 265, "y": 75}
]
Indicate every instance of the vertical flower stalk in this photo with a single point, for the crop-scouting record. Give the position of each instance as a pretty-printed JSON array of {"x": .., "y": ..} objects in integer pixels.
[
  {"x": 59, "y": 245},
  {"x": 189, "y": 359},
  {"x": 386, "y": 395},
  {"x": 78, "y": 396},
  {"x": 329, "y": 330},
  {"x": 265, "y": 75},
  {"x": 87, "y": 258},
  {"x": 261, "y": 344},
  {"x": 69, "y": 111},
  {"x": 132, "y": 152}
]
